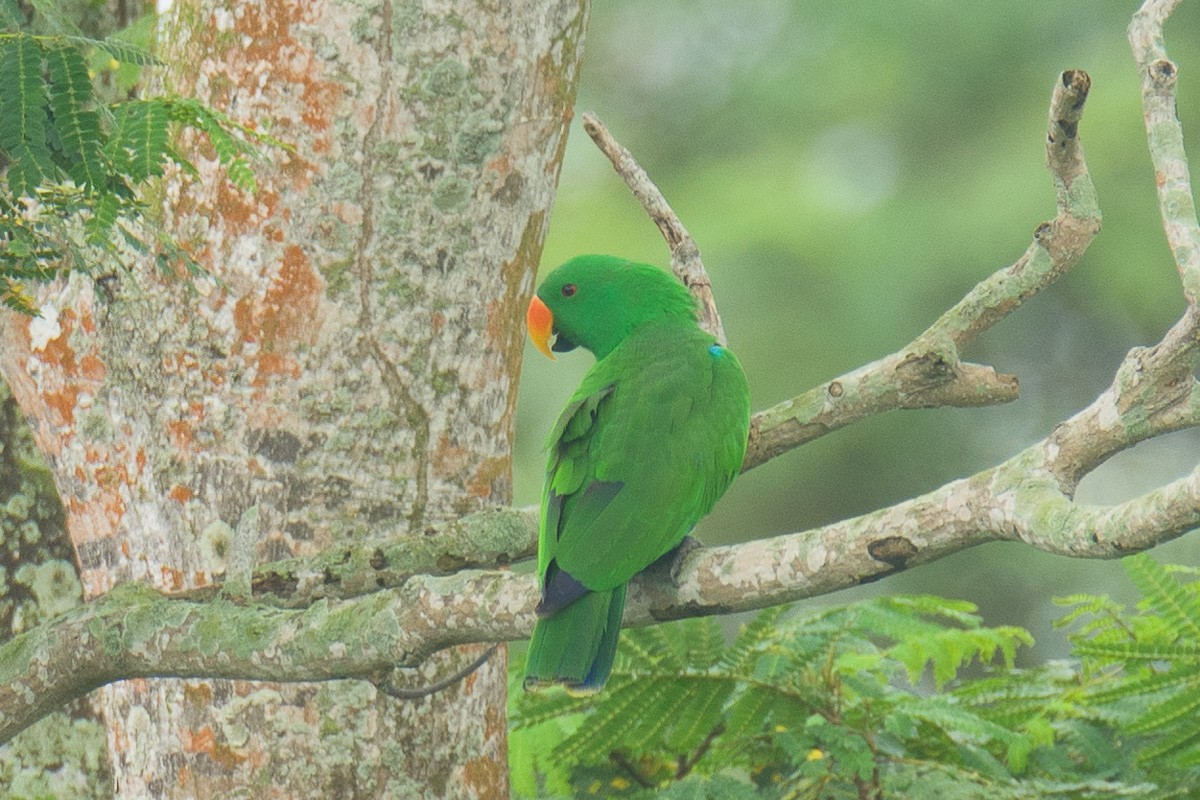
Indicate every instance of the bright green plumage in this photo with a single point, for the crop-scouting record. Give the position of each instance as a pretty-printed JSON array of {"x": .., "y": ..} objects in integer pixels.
[{"x": 654, "y": 434}]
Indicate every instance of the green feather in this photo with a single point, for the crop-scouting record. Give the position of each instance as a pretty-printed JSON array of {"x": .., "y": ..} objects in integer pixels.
[{"x": 650, "y": 440}]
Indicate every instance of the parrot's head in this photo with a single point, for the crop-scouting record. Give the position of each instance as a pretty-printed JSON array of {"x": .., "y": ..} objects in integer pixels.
[{"x": 595, "y": 302}]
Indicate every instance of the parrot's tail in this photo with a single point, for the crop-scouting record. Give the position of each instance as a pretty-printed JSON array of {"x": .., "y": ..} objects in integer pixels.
[{"x": 575, "y": 647}]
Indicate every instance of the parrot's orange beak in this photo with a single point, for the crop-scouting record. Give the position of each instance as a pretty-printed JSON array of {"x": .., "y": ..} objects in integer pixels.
[{"x": 540, "y": 319}]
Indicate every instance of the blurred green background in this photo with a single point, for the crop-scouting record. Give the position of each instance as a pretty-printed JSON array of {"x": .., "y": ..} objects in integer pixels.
[{"x": 849, "y": 171}]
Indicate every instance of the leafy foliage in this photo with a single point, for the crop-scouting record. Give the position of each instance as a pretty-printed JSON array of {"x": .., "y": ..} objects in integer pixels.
[
  {"x": 794, "y": 705},
  {"x": 1144, "y": 664},
  {"x": 891, "y": 697},
  {"x": 73, "y": 167}
]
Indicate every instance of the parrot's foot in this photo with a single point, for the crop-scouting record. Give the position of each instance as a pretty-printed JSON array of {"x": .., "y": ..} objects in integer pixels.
[{"x": 670, "y": 563}]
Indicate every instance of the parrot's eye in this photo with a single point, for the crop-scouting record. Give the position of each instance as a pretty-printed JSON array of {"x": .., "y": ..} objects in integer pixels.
[{"x": 568, "y": 290}]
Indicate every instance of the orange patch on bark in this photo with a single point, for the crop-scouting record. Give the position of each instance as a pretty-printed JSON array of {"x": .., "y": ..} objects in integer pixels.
[
  {"x": 181, "y": 494},
  {"x": 448, "y": 458},
  {"x": 58, "y": 351},
  {"x": 200, "y": 741},
  {"x": 484, "y": 481},
  {"x": 180, "y": 433},
  {"x": 170, "y": 578},
  {"x": 92, "y": 368},
  {"x": 63, "y": 404},
  {"x": 319, "y": 97},
  {"x": 286, "y": 317},
  {"x": 111, "y": 476},
  {"x": 292, "y": 299},
  {"x": 484, "y": 774}
]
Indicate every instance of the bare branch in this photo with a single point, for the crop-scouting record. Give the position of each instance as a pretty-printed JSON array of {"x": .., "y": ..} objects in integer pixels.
[
  {"x": 928, "y": 372},
  {"x": 685, "y": 255},
  {"x": 1164, "y": 133}
]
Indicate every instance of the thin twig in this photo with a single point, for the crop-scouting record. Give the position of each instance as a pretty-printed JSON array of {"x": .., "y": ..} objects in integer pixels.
[
  {"x": 622, "y": 761},
  {"x": 685, "y": 763},
  {"x": 685, "y": 255},
  {"x": 388, "y": 684}
]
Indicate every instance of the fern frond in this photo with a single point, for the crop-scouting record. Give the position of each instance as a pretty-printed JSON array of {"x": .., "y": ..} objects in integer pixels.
[
  {"x": 15, "y": 296},
  {"x": 11, "y": 17},
  {"x": 958, "y": 722},
  {"x": 1139, "y": 651},
  {"x": 120, "y": 50},
  {"x": 1155, "y": 682},
  {"x": 1166, "y": 595},
  {"x": 894, "y": 620},
  {"x": 740, "y": 655},
  {"x": 78, "y": 126},
  {"x": 949, "y": 649},
  {"x": 23, "y": 114},
  {"x": 749, "y": 710},
  {"x": 699, "y": 713},
  {"x": 241, "y": 174},
  {"x": 534, "y": 709},
  {"x": 140, "y": 145},
  {"x": 657, "y": 642},
  {"x": 56, "y": 19},
  {"x": 104, "y": 216},
  {"x": 605, "y": 729},
  {"x": 667, "y": 702},
  {"x": 1165, "y": 712},
  {"x": 700, "y": 641},
  {"x": 636, "y": 654},
  {"x": 1011, "y": 700},
  {"x": 961, "y": 611},
  {"x": 1180, "y": 739}
]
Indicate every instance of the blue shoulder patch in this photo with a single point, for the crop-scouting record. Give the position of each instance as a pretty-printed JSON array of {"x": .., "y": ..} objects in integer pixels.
[{"x": 716, "y": 350}]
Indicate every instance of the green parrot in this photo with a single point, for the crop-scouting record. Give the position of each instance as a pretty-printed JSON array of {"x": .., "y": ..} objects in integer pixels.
[{"x": 655, "y": 433}]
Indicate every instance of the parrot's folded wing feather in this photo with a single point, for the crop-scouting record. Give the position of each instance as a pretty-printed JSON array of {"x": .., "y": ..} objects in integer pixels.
[
  {"x": 660, "y": 418},
  {"x": 559, "y": 587}
]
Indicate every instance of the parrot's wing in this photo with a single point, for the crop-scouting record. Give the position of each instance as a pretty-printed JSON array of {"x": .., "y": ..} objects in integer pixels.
[
  {"x": 650, "y": 441},
  {"x": 570, "y": 483}
]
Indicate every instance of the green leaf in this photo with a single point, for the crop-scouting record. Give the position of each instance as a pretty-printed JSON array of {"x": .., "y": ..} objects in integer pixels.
[
  {"x": 658, "y": 642},
  {"x": 604, "y": 730},
  {"x": 645, "y": 728},
  {"x": 1137, "y": 651},
  {"x": 1180, "y": 608},
  {"x": 78, "y": 126},
  {"x": 140, "y": 146},
  {"x": 23, "y": 114},
  {"x": 1166, "y": 712},
  {"x": 15, "y": 296},
  {"x": 53, "y": 14},
  {"x": 958, "y": 722},
  {"x": 748, "y": 713},
  {"x": 11, "y": 17},
  {"x": 698, "y": 713},
  {"x": 120, "y": 50},
  {"x": 1111, "y": 691},
  {"x": 1183, "y": 737},
  {"x": 740, "y": 655},
  {"x": 702, "y": 642}
]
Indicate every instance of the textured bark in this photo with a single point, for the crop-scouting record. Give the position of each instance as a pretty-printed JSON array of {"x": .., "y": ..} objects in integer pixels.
[{"x": 350, "y": 365}]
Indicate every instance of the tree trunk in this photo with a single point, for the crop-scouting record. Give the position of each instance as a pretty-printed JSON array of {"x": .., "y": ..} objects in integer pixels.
[{"x": 349, "y": 368}]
